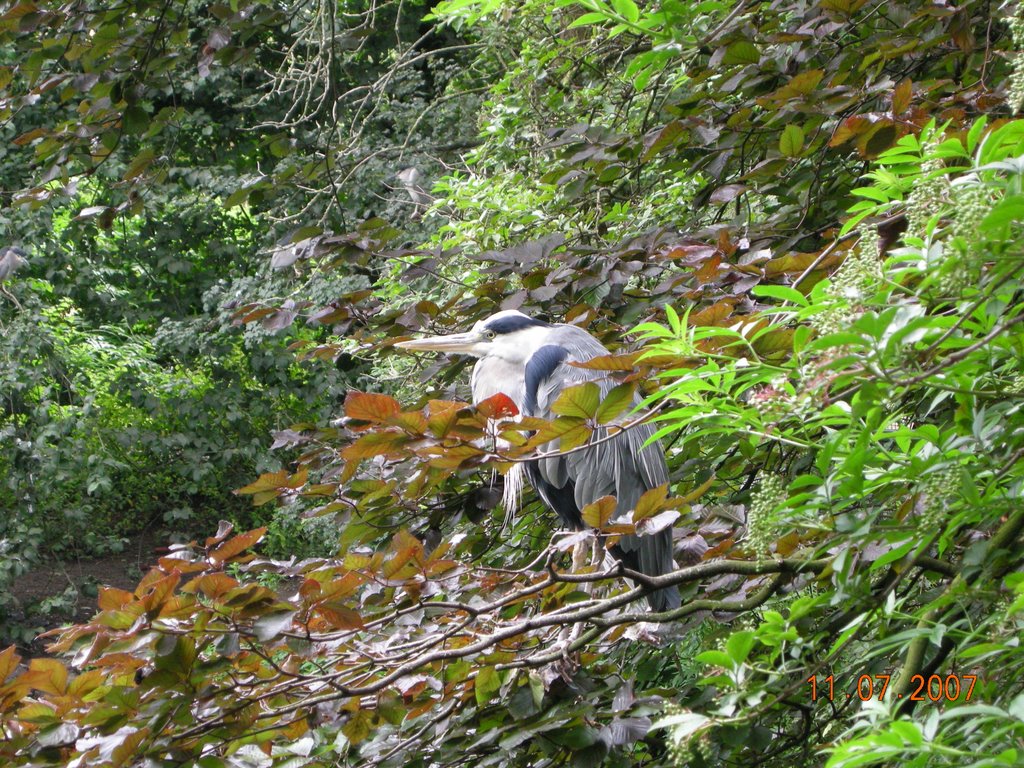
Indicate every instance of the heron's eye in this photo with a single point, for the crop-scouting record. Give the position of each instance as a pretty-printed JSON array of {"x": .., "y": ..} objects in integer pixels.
[{"x": 489, "y": 334}]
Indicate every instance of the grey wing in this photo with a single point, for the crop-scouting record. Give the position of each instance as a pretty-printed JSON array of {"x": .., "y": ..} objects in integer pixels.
[{"x": 621, "y": 466}]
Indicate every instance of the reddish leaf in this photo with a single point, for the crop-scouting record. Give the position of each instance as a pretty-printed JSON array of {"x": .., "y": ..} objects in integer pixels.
[
  {"x": 713, "y": 315},
  {"x": 901, "y": 96},
  {"x": 697, "y": 492},
  {"x": 339, "y": 615},
  {"x": 9, "y": 661},
  {"x": 368, "y": 406},
  {"x": 112, "y": 598},
  {"x": 709, "y": 270},
  {"x": 374, "y": 444},
  {"x": 158, "y": 593},
  {"x": 663, "y": 138},
  {"x": 46, "y": 675},
  {"x": 211, "y": 584},
  {"x": 499, "y": 406},
  {"x": 238, "y": 544},
  {"x": 719, "y": 549},
  {"x": 411, "y": 421},
  {"x": 609, "y": 362},
  {"x": 442, "y": 415},
  {"x": 271, "y": 625},
  {"x": 850, "y": 128},
  {"x": 268, "y": 481}
]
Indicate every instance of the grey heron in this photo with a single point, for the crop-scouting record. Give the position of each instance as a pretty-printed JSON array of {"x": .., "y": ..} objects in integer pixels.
[{"x": 529, "y": 361}]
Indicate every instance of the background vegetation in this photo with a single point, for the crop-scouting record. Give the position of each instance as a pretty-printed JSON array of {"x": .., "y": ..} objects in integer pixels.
[{"x": 809, "y": 215}]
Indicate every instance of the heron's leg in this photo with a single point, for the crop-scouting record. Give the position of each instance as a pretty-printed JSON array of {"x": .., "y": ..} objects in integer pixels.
[
  {"x": 579, "y": 556},
  {"x": 579, "y": 559}
]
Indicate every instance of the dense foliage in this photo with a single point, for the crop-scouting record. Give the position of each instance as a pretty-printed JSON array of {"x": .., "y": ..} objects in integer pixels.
[{"x": 809, "y": 215}]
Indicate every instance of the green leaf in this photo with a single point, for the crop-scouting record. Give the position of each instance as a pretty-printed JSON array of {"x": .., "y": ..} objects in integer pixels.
[
  {"x": 135, "y": 120},
  {"x": 683, "y": 725},
  {"x": 1010, "y": 209},
  {"x": 598, "y": 513},
  {"x": 627, "y": 9},
  {"x": 739, "y": 645},
  {"x": 792, "y": 141},
  {"x": 139, "y": 164},
  {"x": 589, "y": 18},
  {"x": 580, "y": 401},
  {"x": 486, "y": 684},
  {"x": 615, "y": 402},
  {"x": 358, "y": 727},
  {"x": 783, "y": 292},
  {"x": 716, "y": 659},
  {"x": 741, "y": 52},
  {"x": 974, "y": 135}
]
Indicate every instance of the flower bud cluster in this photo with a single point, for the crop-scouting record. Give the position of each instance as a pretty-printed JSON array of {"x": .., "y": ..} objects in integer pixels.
[
  {"x": 856, "y": 279},
  {"x": 935, "y": 490},
  {"x": 972, "y": 202},
  {"x": 683, "y": 752},
  {"x": 762, "y": 525},
  {"x": 1016, "y": 93},
  {"x": 926, "y": 198}
]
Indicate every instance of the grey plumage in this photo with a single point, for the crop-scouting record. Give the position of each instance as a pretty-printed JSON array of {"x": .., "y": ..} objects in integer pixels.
[
  {"x": 530, "y": 361},
  {"x": 11, "y": 260}
]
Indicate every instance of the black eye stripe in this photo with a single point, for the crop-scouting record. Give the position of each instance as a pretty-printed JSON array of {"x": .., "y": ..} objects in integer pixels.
[{"x": 514, "y": 323}]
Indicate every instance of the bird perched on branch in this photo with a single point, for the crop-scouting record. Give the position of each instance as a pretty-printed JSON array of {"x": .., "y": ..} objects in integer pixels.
[
  {"x": 412, "y": 179},
  {"x": 11, "y": 260},
  {"x": 529, "y": 361}
]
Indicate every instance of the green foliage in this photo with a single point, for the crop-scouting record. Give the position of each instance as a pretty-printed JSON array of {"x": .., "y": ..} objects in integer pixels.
[{"x": 895, "y": 431}]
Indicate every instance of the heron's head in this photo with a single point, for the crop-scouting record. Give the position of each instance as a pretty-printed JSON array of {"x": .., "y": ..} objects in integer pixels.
[{"x": 509, "y": 334}]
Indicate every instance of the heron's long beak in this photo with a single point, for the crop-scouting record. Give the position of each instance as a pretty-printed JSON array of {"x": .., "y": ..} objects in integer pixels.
[{"x": 455, "y": 342}]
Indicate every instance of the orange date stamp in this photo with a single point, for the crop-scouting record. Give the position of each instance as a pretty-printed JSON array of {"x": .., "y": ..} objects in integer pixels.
[{"x": 935, "y": 688}]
